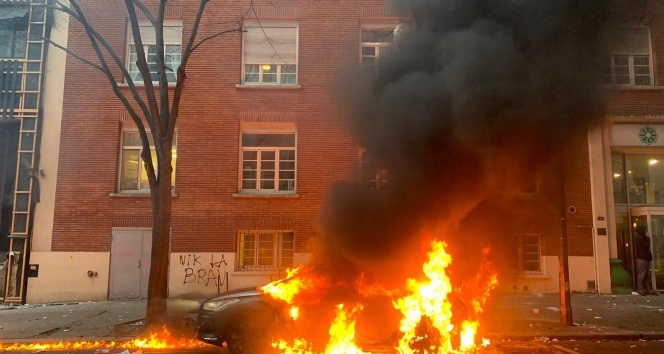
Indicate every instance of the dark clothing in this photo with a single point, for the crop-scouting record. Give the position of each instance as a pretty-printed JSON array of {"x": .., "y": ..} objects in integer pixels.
[
  {"x": 642, "y": 247},
  {"x": 643, "y": 282}
]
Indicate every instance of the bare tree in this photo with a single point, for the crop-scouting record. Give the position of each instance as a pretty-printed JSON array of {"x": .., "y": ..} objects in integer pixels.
[{"x": 158, "y": 110}]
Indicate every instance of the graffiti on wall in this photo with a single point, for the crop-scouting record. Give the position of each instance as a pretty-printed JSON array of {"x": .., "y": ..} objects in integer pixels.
[{"x": 204, "y": 270}]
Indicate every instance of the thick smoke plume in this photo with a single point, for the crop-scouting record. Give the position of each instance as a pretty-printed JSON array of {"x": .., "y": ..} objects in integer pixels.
[{"x": 477, "y": 97}]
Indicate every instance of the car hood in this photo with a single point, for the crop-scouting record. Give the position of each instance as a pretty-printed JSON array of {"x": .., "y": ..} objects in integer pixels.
[{"x": 239, "y": 293}]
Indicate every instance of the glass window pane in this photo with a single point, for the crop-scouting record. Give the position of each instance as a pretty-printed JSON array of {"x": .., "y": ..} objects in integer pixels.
[
  {"x": 249, "y": 184},
  {"x": 267, "y": 184},
  {"x": 641, "y": 60},
  {"x": 268, "y": 140},
  {"x": 619, "y": 192},
  {"x": 621, "y": 60},
  {"x": 130, "y": 170},
  {"x": 287, "y": 155},
  {"x": 622, "y": 80},
  {"x": 369, "y": 51},
  {"x": 251, "y": 73},
  {"x": 642, "y": 80}
]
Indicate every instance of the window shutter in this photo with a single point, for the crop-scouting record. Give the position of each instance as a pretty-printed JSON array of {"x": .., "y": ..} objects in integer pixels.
[
  {"x": 270, "y": 45},
  {"x": 628, "y": 41}
]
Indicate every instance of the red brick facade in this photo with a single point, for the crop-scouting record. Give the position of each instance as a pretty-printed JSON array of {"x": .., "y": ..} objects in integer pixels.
[{"x": 206, "y": 212}]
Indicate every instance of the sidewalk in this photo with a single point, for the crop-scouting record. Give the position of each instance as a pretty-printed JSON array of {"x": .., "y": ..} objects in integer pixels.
[
  {"x": 618, "y": 317},
  {"x": 101, "y": 320}
]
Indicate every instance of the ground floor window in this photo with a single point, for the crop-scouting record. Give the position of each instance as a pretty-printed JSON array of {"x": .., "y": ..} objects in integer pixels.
[
  {"x": 638, "y": 179},
  {"x": 525, "y": 254},
  {"x": 265, "y": 250}
]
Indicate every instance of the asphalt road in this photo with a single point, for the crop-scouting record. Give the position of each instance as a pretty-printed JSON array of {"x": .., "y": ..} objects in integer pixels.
[{"x": 508, "y": 347}]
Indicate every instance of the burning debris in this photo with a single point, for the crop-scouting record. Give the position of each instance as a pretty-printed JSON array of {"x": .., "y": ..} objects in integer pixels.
[{"x": 154, "y": 340}]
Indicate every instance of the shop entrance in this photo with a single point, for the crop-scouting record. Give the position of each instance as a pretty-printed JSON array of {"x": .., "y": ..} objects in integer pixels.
[{"x": 653, "y": 218}]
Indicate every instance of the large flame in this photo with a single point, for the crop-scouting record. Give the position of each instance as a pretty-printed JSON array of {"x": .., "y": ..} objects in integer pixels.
[
  {"x": 436, "y": 317},
  {"x": 154, "y": 340}
]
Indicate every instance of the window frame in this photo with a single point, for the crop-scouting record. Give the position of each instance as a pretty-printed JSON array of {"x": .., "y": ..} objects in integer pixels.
[
  {"x": 271, "y": 24},
  {"x": 277, "y": 252},
  {"x": 381, "y": 180},
  {"x": 520, "y": 269},
  {"x": 22, "y": 51},
  {"x": 141, "y": 163},
  {"x": 394, "y": 27},
  {"x": 146, "y": 46},
  {"x": 612, "y": 54},
  {"x": 272, "y": 129}
]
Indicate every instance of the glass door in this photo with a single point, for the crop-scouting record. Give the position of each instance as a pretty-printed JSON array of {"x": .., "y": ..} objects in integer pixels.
[
  {"x": 653, "y": 217},
  {"x": 657, "y": 248}
]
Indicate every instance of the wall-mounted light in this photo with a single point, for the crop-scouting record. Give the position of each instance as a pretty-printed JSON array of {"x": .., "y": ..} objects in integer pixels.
[
  {"x": 267, "y": 67},
  {"x": 652, "y": 162},
  {"x": 616, "y": 175}
]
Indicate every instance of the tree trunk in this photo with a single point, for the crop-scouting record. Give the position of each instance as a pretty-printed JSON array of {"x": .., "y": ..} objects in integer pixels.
[{"x": 156, "y": 314}]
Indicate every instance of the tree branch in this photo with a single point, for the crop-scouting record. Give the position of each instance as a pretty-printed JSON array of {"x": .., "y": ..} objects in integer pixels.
[
  {"x": 182, "y": 76},
  {"x": 147, "y": 80},
  {"x": 161, "y": 73},
  {"x": 116, "y": 89},
  {"x": 116, "y": 58},
  {"x": 145, "y": 11},
  {"x": 80, "y": 58},
  {"x": 239, "y": 29}
]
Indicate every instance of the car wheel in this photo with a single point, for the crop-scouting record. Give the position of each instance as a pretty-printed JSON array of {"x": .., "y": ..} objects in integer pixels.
[{"x": 249, "y": 336}]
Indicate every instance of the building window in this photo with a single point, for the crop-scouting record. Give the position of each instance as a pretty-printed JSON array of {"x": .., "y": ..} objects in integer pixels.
[
  {"x": 373, "y": 175},
  {"x": 268, "y": 162},
  {"x": 172, "y": 48},
  {"x": 525, "y": 254},
  {"x": 627, "y": 59},
  {"x": 13, "y": 31},
  {"x": 375, "y": 43},
  {"x": 270, "y": 53},
  {"x": 133, "y": 175},
  {"x": 265, "y": 250}
]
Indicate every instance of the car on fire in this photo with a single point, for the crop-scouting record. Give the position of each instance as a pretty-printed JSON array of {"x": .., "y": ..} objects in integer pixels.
[
  {"x": 246, "y": 320},
  {"x": 242, "y": 319}
]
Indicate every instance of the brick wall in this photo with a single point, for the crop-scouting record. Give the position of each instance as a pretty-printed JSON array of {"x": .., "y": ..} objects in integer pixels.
[{"x": 205, "y": 212}]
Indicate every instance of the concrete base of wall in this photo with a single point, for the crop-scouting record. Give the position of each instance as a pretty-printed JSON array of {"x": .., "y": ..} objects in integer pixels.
[
  {"x": 581, "y": 271},
  {"x": 63, "y": 276}
]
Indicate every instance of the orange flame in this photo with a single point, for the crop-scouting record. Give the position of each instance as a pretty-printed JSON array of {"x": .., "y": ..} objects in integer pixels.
[
  {"x": 435, "y": 316},
  {"x": 287, "y": 288},
  {"x": 154, "y": 340}
]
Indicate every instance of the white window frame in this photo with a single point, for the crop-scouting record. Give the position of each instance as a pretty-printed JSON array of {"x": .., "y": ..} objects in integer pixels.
[
  {"x": 263, "y": 66},
  {"x": 140, "y": 161},
  {"x": 630, "y": 55},
  {"x": 277, "y": 253},
  {"x": 251, "y": 129},
  {"x": 148, "y": 43},
  {"x": 394, "y": 27},
  {"x": 518, "y": 238}
]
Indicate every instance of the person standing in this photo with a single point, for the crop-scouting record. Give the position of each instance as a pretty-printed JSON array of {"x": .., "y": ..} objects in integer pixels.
[{"x": 643, "y": 260}]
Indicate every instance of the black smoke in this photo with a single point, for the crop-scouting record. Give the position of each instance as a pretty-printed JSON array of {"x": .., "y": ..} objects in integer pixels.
[{"x": 476, "y": 99}]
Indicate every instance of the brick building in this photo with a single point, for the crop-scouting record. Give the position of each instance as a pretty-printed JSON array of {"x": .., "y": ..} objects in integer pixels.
[{"x": 261, "y": 138}]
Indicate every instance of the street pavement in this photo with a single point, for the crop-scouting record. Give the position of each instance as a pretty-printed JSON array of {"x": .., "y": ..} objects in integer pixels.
[{"x": 519, "y": 317}]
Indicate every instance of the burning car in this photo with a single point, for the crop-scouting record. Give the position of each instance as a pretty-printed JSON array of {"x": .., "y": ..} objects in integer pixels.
[{"x": 242, "y": 319}]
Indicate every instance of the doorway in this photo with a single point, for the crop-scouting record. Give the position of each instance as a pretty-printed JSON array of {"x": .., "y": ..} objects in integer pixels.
[
  {"x": 653, "y": 218},
  {"x": 130, "y": 263}
]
